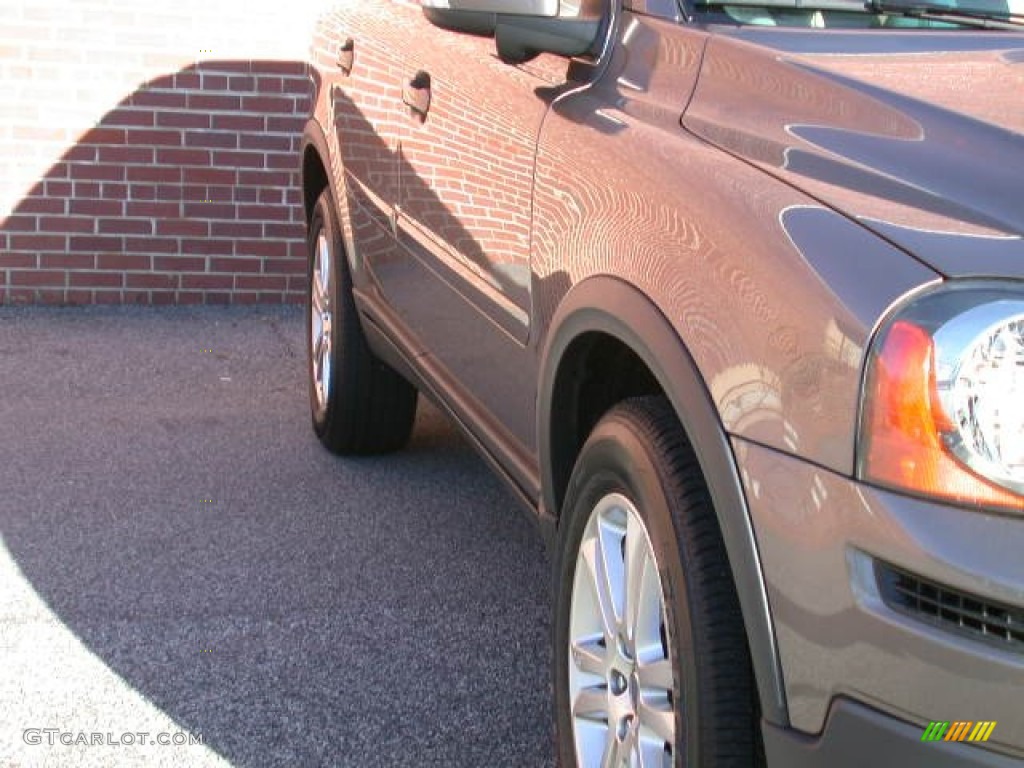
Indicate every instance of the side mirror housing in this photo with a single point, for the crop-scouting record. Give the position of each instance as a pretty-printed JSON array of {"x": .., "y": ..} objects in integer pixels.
[{"x": 523, "y": 29}]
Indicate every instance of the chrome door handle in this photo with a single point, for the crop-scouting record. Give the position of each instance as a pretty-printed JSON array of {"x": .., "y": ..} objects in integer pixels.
[
  {"x": 416, "y": 95},
  {"x": 347, "y": 56}
]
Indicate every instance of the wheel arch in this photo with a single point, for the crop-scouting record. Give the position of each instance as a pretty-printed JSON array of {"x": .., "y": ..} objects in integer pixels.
[
  {"x": 314, "y": 175},
  {"x": 605, "y": 309}
]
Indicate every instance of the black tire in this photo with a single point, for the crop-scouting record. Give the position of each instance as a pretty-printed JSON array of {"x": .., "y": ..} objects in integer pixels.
[
  {"x": 367, "y": 407},
  {"x": 639, "y": 450}
]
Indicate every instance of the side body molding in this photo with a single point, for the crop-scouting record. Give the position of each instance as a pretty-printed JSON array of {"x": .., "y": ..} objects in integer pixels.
[{"x": 611, "y": 306}]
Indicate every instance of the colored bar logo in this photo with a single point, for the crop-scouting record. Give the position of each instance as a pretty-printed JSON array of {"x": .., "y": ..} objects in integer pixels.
[{"x": 959, "y": 730}]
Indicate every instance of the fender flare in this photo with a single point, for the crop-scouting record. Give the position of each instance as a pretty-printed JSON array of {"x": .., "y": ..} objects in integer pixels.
[{"x": 611, "y": 306}]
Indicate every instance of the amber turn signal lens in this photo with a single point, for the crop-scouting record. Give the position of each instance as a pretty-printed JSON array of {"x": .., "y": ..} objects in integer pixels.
[{"x": 905, "y": 426}]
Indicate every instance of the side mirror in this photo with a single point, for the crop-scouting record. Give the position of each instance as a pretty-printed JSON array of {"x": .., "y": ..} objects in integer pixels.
[{"x": 523, "y": 29}]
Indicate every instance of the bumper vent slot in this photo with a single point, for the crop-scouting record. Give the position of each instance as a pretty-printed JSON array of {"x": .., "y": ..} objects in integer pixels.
[{"x": 949, "y": 608}]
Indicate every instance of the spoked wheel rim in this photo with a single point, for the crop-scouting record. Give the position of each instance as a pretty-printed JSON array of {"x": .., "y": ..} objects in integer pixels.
[
  {"x": 623, "y": 709},
  {"x": 321, "y": 322}
]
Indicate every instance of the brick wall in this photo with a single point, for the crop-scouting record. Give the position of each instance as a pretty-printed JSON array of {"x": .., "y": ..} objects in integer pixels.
[{"x": 148, "y": 151}]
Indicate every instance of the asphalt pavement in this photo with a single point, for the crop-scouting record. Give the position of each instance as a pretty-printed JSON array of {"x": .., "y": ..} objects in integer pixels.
[{"x": 180, "y": 559}]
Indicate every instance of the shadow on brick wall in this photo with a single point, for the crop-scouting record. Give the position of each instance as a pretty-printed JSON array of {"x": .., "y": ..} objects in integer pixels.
[{"x": 186, "y": 192}]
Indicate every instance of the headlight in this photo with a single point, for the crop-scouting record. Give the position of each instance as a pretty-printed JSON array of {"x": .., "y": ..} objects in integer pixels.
[{"x": 943, "y": 410}]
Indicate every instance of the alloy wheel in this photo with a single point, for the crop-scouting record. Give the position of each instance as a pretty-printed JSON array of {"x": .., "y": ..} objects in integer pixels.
[{"x": 621, "y": 683}]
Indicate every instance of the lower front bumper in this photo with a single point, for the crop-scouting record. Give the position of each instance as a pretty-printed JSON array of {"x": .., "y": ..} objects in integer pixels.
[{"x": 856, "y": 735}]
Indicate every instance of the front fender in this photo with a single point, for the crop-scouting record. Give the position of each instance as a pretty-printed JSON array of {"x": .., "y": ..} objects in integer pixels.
[{"x": 616, "y": 308}]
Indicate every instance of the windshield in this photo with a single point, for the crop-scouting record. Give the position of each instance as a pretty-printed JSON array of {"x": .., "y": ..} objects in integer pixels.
[{"x": 872, "y": 13}]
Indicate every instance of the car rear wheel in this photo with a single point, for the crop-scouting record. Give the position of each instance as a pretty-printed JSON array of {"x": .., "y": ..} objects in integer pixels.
[
  {"x": 651, "y": 665},
  {"x": 359, "y": 405}
]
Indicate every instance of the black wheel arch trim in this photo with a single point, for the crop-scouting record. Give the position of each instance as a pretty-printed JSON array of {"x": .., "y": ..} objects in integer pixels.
[
  {"x": 614, "y": 307},
  {"x": 313, "y": 137}
]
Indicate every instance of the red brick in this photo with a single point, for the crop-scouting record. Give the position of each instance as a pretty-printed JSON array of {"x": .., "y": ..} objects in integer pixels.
[
  {"x": 96, "y": 207},
  {"x": 236, "y": 229},
  {"x": 136, "y": 297},
  {"x": 290, "y": 231},
  {"x": 227, "y": 176},
  {"x": 154, "y": 173},
  {"x": 234, "y": 265},
  {"x": 264, "y": 179},
  {"x": 129, "y": 117},
  {"x": 268, "y": 104},
  {"x": 97, "y": 243},
  {"x": 295, "y": 267},
  {"x": 87, "y": 189},
  {"x": 162, "y": 99},
  {"x": 96, "y": 279},
  {"x": 238, "y": 159},
  {"x": 38, "y": 242},
  {"x": 285, "y": 124},
  {"x": 238, "y": 123},
  {"x": 268, "y": 248},
  {"x": 142, "y": 192},
  {"x": 206, "y": 281},
  {"x": 209, "y": 210},
  {"x": 281, "y": 67},
  {"x": 78, "y": 224},
  {"x": 103, "y": 135},
  {"x": 244, "y": 298},
  {"x": 269, "y": 85},
  {"x": 59, "y": 188},
  {"x": 41, "y": 205},
  {"x": 81, "y": 153},
  {"x": 78, "y": 297},
  {"x": 282, "y": 161},
  {"x": 183, "y": 120},
  {"x": 298, "y": 85},
  {"x": 264, "y": 212},
  {"x": 212, "y": 82},
  {"x": 162, "y": 298},
  {"x": 18, "y": 261},
  {"x": 240, "y": 83},
  {"x": 67, "y": 261},
  {"x": 18, "y": 223},
  {"x": 272, "y": 196},
  {"x": 261, "y": 282},
  {"x": 123, "y": 261},
  {"x": 36, "y": 277},
  {"x": 125, "y": 226},
  {"x": 114, "y": 191},
  {"x": 207, "y": 246},
  {"x": 275, "y": 143},
  {"x": 156, "y": 210},
  {"x": 179, "y": 263},
  {"x": 97, "y": 172},
  {"x": 183, "y": 156},
  {"x": 124, "y": 154},
  {"x": 218, "y": 297},
  {"x": 214, "y": 102},
  {"x": 187, "y": 80},
  {"x": 151, "y": 280},
  {"x": 155, "y": 137},
  {"x": 212, "y": 139},
  {"x": 184, "y": 227},
  {"x": 150, "y": 245},
  {"x": 247, "y": 194}
]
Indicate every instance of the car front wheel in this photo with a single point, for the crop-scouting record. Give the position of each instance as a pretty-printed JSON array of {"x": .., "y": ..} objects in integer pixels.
[
  {"x": 359, "y": 405},
  {"x": 651, "y": 665}
]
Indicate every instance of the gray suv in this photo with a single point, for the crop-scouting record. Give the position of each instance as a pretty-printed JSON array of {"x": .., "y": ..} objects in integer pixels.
[{"x": 731, "y": 295}]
